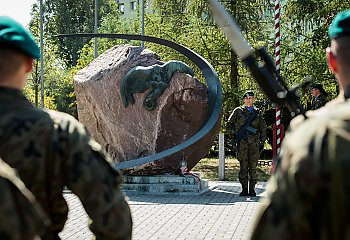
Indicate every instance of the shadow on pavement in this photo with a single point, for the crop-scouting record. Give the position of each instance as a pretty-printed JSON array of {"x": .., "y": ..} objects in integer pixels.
[{"x": 222, "y": 194}]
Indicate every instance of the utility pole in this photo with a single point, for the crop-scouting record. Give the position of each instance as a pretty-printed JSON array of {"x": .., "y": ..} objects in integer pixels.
[
  {"x": 234, "y": 77},
  {"x": 143, "y": 22},
  {"x": 95, "y": 29},
  {"x": 42, "y": 53}
]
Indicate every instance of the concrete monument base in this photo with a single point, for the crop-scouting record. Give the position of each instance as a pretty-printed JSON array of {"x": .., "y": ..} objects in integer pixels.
[{"x": 165, "y": 184}]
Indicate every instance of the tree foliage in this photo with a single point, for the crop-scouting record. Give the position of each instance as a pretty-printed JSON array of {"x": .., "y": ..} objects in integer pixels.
[
  {"x": 305, "y": 38},
  {"x": 66, "y": 16}
]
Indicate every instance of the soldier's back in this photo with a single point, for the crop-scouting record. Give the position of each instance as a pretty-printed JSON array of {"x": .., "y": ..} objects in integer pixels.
[
  {"x": 312, "y": 200},
  {"x": 51, "y": 150}
]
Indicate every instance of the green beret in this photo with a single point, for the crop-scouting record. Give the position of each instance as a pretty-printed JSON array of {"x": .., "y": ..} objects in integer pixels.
[
  {"x": 340, "y": 25},
  {"x": 13, "y": 34},
  {"x": 248, "y": 93},
  {"x": 316, "y": 85}
]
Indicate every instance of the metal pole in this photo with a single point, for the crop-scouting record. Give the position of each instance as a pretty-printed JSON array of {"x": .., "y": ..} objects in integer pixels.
[
  {"x": 221, "y": 156},
  {"x": 95, "y": 29},
  {"x": 143, "y": 22},
  {"x": 42, "y": 54}
]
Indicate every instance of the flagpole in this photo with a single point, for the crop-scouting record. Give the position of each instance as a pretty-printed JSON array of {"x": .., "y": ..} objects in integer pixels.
[{"x": 278, "y": 63}]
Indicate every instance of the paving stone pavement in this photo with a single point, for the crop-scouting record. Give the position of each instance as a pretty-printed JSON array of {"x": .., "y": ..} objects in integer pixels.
[{"x": 219, "y": 214}]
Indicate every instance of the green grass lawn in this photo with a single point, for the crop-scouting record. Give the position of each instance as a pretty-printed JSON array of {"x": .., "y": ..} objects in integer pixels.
[{"x": 208, "y": 168}]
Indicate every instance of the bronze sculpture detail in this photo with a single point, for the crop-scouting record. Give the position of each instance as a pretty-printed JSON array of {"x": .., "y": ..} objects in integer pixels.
[{"x": 156, "y": 77}]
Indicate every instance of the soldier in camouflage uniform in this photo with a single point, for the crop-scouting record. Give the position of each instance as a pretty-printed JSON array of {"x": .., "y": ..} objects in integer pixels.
[
  {"x": 320, "y": 96},
  {"x": 51, "y": 150},
  {"x": 249, "y": 142},
  {"x": 309, "y": 195},
  {"x": 21, "y": 217}
]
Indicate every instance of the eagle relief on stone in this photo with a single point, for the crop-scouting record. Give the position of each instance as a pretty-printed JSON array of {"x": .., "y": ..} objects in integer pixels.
[{"x": 156, "y": 77}]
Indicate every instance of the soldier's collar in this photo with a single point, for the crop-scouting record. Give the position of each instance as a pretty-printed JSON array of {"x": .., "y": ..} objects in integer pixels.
[{"x": 11, "y": 93}]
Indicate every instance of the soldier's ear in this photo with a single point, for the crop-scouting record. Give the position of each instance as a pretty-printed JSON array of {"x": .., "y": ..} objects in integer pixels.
[
  {"x": 29, "y": 64},
  {"x": 331, "y": 60}
]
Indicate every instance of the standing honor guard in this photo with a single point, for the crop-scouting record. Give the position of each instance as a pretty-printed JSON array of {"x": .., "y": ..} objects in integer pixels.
[{"x": 248, "y": 128}]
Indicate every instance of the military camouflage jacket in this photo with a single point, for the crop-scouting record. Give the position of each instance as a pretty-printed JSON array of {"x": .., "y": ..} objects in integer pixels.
[
  {"x": 320, "y": 101},
  {"x": 309, "y": 195},
  {"x": 237, "y": 120},
  {"x": 51, "y": 150},
  {"x": 21, "y": 217}
]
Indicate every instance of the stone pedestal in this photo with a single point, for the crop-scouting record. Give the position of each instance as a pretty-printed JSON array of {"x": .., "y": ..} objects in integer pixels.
[{"x": 164, "y": 185}]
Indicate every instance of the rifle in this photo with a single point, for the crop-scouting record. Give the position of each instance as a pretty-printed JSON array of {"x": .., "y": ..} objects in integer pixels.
[
  {"x": 240, "y": 134},
  {"x": 264, "y": 72}
]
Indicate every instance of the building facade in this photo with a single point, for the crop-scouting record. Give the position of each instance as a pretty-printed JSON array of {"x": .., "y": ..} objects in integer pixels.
[{"x": 133, "y": 8}]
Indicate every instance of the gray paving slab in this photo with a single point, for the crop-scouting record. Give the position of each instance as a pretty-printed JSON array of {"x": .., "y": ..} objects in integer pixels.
[{"x": 219, "y": 214}]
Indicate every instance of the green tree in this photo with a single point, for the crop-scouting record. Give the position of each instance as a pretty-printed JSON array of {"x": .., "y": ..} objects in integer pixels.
[
  {"x": 65, "y": 16},
  {"x": 61, "y": 54},
  {"x": 305, "y": 25}
]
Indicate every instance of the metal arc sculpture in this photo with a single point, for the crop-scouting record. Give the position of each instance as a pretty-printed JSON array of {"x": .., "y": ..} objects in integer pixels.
[{"x": 214, "y": 95}]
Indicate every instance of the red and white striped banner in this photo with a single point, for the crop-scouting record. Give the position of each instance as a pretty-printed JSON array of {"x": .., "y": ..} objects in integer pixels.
[{"x": 278, "y": 63}]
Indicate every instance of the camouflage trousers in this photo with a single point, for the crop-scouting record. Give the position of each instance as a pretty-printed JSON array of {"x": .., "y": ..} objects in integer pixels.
[{"x": 248, "y": 156}]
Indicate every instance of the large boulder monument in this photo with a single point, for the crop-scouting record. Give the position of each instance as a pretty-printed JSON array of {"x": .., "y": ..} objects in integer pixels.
[{"x": 135, "y": 105}]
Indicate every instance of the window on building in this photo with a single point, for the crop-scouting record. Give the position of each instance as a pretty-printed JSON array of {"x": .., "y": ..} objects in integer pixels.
[
  {"x": 133, "y": 6},
  {"x": 121, "y": 8}
]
